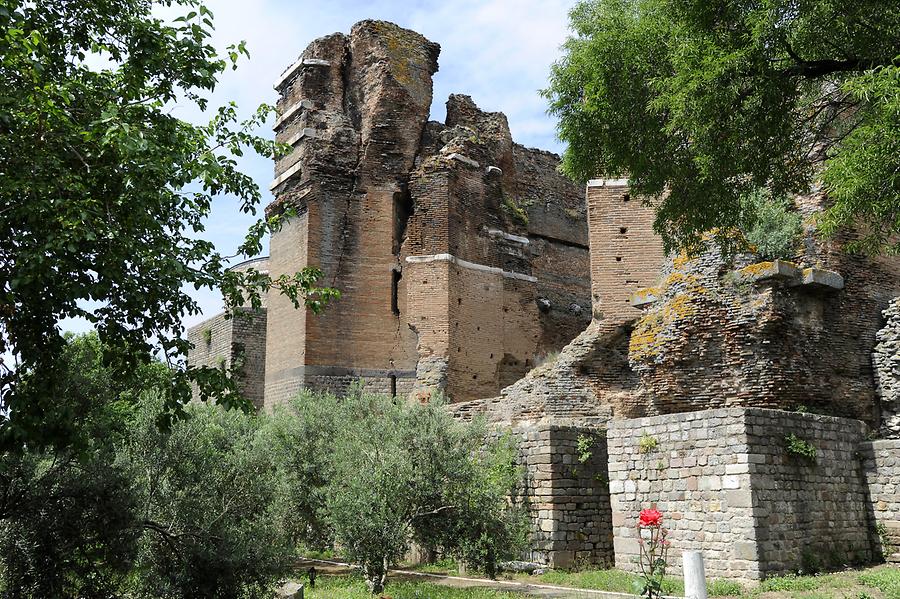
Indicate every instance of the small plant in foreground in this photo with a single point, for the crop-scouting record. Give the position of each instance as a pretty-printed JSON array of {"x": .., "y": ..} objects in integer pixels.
[
  {"x": 799, "y": 447},
  {"x": 654, "y": 548}
]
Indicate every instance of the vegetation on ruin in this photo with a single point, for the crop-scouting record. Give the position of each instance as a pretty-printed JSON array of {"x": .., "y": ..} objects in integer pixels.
[
  {"x": 776, "y": 230},
  {"x": 705, "y": 104},
  {"x": 647, "y": 444},
  {"x": 800, "y": 448},
  {"x": 514, "y": 210},
  {"x": 217, "y": 504},
  {"x": 103, "y": 199}
]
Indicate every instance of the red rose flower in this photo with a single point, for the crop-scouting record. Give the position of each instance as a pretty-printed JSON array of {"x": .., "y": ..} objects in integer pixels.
[{"x": 651, "y": 518}]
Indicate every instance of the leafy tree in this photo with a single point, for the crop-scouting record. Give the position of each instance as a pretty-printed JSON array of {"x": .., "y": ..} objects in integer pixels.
[
  {"x": 67, "y": 516},
  {"x": 67, "y": 526},
  {"x": 398, "y": 472},
  {"x": 206, "y": 492},
  {"x": 103, "y": 196},
  {"x": 132, "y": 510},
  {"x": 703, "y": 103}
]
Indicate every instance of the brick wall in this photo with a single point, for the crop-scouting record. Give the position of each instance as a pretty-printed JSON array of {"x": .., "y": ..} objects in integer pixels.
[
  {"x": 881, "y": 467},
  {"x": 727, "y": 486},
  {"x": 626, "y": 255},
  {"x": 286, "y": 325},
  {"x": 718, "y": 337},
  {"x": 239, "y": 341},
  {"x": 421, "y": 227}
]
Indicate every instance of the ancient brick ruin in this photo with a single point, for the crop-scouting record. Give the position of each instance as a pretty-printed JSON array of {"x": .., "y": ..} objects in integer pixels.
[{"x": 467, "y": 262}]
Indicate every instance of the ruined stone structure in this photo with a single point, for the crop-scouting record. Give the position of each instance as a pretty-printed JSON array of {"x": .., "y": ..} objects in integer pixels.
[
  {"x": 463, "y": 258},
  {"x": 738, "y": 355},
  {"x": 886, "y": 360},
  {"x": 235, "y": 342}
]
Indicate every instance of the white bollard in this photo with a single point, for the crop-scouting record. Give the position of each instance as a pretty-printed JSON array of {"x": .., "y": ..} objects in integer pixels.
[{"x": 694, "y": 575}]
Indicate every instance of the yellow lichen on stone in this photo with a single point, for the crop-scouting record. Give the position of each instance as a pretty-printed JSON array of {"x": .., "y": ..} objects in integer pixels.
[
  {"x": 646, "y": 339},
  {"x": 757, "y": 269},
  {"x": 642, "y": 294},
  {"x": 681, "y": 260}
]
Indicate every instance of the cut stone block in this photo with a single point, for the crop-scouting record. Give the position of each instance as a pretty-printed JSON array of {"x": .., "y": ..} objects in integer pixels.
[
  {"x": 464, "y": 159},
  {"x": 777, "y": 270},
  {"x": 306, "y": 132},
  {"x": 644, "y": 297},
  {"x": 823, "y": 279},
  {"x": 301, "y": 105}
]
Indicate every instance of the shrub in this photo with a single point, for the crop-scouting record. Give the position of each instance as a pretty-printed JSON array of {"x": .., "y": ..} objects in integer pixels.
[
  {"x": 395, "y": 472},
  {"x": 647, "y": 444},
  {"x": 206, "y": 490},
  {"x": 774, "y": 229},
  {"x": 67, "y": 526},
  {"x": 800, "y": 447}
]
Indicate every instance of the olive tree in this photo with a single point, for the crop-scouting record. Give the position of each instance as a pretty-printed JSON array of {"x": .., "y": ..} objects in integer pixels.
[{"x": 391, "y": 472}]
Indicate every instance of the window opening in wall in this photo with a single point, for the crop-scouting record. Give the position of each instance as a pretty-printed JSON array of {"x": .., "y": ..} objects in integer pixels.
[
  {"x": 393, "y": 385},
  {"x": 618, "y": 258},
  {"x": 396, "y": 275},
  {"x": 626, "y": 197},
  {"x": 403, "y": 208},
  {"x": 623, "y": 230}
]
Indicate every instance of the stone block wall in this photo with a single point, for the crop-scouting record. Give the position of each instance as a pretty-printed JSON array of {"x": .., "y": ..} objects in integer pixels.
[
  {"x": 240, "y": 341},
  {"x": 881, "y": 467},
  {"x": 727, "y": 486},
  {"x": 567, "y": 495}
]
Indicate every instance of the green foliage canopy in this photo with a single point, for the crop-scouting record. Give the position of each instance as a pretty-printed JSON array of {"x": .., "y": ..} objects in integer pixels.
[
  {"x": 133, "y": 510},
  {"x": 703, "y": 102},
  {"x": 103, "y": 195},
  {"x": 388, "y": 472}
]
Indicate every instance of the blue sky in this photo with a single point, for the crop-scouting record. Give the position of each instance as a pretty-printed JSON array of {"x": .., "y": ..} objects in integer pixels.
[{"x": 497, "y": 51}]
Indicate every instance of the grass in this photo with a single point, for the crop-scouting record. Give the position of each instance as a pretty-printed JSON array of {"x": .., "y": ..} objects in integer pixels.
[
  {"x": 353, "y": 587},
  {"x": 880, "y": 582}
]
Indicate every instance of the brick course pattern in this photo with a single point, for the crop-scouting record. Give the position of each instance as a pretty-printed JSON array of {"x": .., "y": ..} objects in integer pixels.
[
  {"x": 238, "y": 341},
  {"x": 881, "y": 467},
  {"x": 462, "y": 257},
  {"x": 728, "y": 486}
]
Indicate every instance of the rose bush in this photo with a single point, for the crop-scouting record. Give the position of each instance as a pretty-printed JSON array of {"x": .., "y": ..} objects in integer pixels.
[{"x": 654, "y": 548}]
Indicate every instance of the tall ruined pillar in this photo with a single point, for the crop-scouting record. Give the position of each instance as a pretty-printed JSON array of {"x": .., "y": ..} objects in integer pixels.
[
  {"x": 626, "y": 255},
  {"x": 353, "y": 108}
]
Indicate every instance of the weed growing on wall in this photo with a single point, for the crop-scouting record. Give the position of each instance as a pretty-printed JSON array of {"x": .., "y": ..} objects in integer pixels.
[
  {"x": 647, "y": 444},
  {"x": 800, "y": 448}
]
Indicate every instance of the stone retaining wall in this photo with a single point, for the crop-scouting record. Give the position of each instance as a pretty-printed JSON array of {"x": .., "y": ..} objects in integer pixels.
[
  {"x": 567, "y": 494},
  {"x": 728, "y": 486},
  {"x": 881, "y": 466}
]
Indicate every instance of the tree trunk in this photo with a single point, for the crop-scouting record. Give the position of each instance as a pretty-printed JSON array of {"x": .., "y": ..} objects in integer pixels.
[{"x": 376, "y": 576}]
